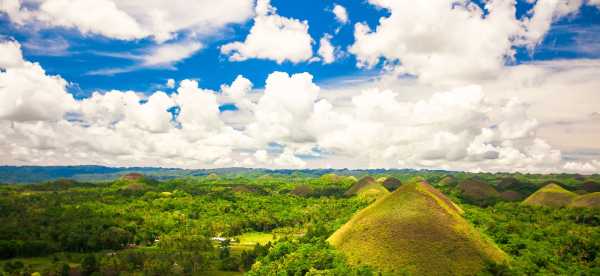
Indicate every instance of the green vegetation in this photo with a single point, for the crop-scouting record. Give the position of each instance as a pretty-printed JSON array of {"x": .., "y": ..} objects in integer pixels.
[
  {"x": 543, "y": 240},
  {"x": 258, "y": 222}
]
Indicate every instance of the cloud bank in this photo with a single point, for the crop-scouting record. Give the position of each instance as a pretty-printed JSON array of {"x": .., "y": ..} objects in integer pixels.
[{"x": 289, "y": 124}]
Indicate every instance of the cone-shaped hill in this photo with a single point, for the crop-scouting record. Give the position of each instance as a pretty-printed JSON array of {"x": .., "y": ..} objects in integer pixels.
[
  {"x": 591, "y": 200},
  {"x": 418, "y": 230},
  {"x": 477, "y": 192},
  {"x": 447, "y": 180},
  {"x": 392, "y": 183},
  {"x": 367, "y": 187},
  {"x": 550, "y": 195}
]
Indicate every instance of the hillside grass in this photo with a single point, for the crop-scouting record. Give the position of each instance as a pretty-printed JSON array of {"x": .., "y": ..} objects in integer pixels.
[
  {"x": 416, "y": 230},
  {"x": 591, "y": 200},
  {"x": 476, "y": 191},
  {"x": 551, "y": 195}
]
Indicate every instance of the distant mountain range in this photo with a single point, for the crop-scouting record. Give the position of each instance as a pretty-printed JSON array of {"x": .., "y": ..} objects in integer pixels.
[{"x": 91, "y": 173}]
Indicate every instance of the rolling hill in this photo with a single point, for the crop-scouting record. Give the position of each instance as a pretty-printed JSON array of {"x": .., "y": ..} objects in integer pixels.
[
  {"x": 392, "y": 183},
  {"x": 591, "y": 200},
  {"x": 367, "y": 187},
  {"x": 477, "y": 192},
  {"x": 551, "y": 195},
  {"x": 415, "y": 229},
  {"x": 447, "y": 180}
]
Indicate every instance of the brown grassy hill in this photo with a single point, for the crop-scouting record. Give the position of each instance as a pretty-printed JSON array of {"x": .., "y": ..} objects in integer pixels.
[
  {"x": 591, "y": 200},
  {"x": 508, "y": 183},
  {"x": 447, "y": 180},
  {"x": 511, "y": 195},
  {"x": 303, "y": 190},
  {"x": 363, "y": 182},
  {"x": 392, "y": 183},
  {"x": 478, "y": 192},
  {"x": 418, "y": 230},
  {"x": 551, "y": 195},
  {"x": 373, "y": 191}
]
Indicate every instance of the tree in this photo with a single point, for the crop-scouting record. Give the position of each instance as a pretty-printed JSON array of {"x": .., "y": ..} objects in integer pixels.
[{"x": 89, "y": 265}]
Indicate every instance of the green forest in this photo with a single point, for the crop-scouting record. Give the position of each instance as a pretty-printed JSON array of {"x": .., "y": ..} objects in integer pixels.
[{"x": 280, "y": 223}]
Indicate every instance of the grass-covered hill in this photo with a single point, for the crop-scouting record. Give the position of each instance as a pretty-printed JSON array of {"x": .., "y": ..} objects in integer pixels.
[
  {"x": 477, "y": 192},
  {"x": 447, "y": 180},
  {"x": 415, "y": 229},
  {"x": 511, "y": 195},
  {"x": 392, "y": 183},
  {"x": 591, "y": 200},
  {"x": 367, "y": 187},
  {"x": 551, "y": 195}
]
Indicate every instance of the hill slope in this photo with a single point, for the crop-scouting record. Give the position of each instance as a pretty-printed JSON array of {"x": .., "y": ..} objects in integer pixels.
[
  {"x": 591, "y": 200},
  {"x": 477, "y": 192},
  {"x": 417, "y": 229},
  {"x": 550, "y": 195},
  {"x": 363, "y": 182},
  {"x": 392, "y": 183},
  {"x": 367, "y": 187}
]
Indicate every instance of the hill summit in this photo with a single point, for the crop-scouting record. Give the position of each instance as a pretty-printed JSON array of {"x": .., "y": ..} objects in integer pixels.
[
  {"x": 367, "y": 187},
  {"x": 418, "y": 230},
  {"x": 551, "y": 195}
]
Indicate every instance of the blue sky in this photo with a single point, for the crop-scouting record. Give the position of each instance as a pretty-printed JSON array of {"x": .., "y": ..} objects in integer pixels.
[
  {"x": 207, "y": 65},
  {"x": 473, "y": 85}
]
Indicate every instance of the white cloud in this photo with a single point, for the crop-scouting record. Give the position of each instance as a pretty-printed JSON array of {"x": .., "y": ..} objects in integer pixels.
[
  {"x": 583, "y": 167},
  {"x": 341, "y": 15},
  {"x": 26, "y": 92},
  {"x": 326, "y": 51},
  {"x": 170, "y": 83},
  {"x": 157, "y": 56},
  {"x": 282, "y": 111},
  {"x": 167, "y": 54},
  {"x": 494, "y": 126},
  {"x": 288, "y": 159},
  {"x": 272, "y": 37},
  {"x": 440, "y": 41},
  {"x": 443, "y": 42},
  {"x": 544, "y": 13},
  {"x": 131, "y": 19},
  {"x": 10, "y": 54},
  {"x": 261, "y": 156}
]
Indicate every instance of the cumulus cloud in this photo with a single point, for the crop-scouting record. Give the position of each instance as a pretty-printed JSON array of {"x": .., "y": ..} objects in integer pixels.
[
  {"x": 326, "y": 51},
  {"x": 465, "y": 128},
  {"x": 27, "y": 93},
  {"x": 170, "y": 83},
  {"x": 272, "y": 37},
  {"x": 130, "y": 19},
  {"x": 10, "y": 54},
  {"x": 443, "y": 42},
  {"x": 341, "y": 15}
]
